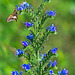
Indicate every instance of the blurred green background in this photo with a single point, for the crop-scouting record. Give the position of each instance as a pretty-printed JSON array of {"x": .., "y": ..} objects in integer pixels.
[{"x": 12, "y": 33}]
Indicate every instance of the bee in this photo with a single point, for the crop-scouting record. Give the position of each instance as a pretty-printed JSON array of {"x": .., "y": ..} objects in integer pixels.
[{"x": 13, "y": 16}]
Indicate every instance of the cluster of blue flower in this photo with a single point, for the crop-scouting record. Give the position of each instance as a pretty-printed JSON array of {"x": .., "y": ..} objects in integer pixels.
[
  {"x": 62, "y": 72},
  {"x": 50, "y": 13},
  {"x": 17, "y": 73},
  {"x": 52, "y": 28},
  {"x": 27, "y": 67},
  {"x": 19, "y": 52},
  {"x": 53, "y": 64},
  {"x": 25, "y": 44},
  {"x": 23, "y": 6},
  {"x": 28, "y": 24},
  {"x": 24, "y": 66},
  {"x": 53, "y": 51}
]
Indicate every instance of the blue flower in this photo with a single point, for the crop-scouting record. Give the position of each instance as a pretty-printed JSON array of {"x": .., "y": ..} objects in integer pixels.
[
  {"x": 26, "y": 67},
  {"x": 54, "y": 63},
  {"x": 17, "y": 73},
  {"x": 28, "y": 24},
  {"x": 51, "y": 72},
  {"x": 63, "y": 72},
  {"x": 54, "y": 50},
  {"x": 19, "y": 8},
  {"x": 13, "y": 73},
  {"x": 52, "y": 28},
  {"x": 21, "y": 73},
  {"x": 51, "y": 13},
  {"x": 47, "y": 12},
  {"x": 43, "y": 55},
  {"x": 50, "y": 63},
  {"x": 26, "y": 5},
  {"x": 48, "y": 28},
  {"x": 59, "y": 72},
  {"x": 30, "y": 5},
  {"x": 25, "y": 43},
  {"x": 19, "y": 52},
  {"x": 30, "y": 36},
  {"x": 22, "y": 6}
]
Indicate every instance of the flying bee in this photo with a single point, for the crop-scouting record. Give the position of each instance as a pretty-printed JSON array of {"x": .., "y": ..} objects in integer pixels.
[{"x": 13, "y": 16}]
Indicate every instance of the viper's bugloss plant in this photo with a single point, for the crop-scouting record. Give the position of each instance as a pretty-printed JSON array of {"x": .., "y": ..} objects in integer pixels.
[{"x": 38, "y": 63}]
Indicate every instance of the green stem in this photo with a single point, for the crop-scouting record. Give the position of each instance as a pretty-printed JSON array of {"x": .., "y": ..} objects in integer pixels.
[{"x": 38, "y": 62}]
